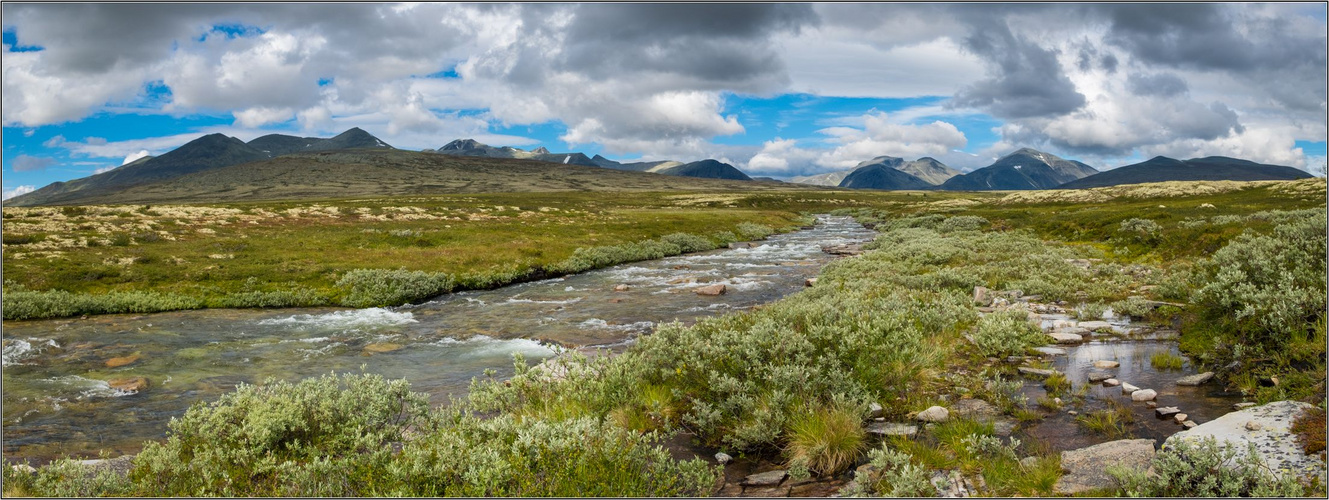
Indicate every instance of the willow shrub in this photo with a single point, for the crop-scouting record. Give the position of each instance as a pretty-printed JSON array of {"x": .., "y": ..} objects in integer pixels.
[
  {"x": 27, "y": 304},
  {"x": 1007, "y": 333},
  {"x": 1206, "y": 469},
  {"x": 388, "y": 287}
]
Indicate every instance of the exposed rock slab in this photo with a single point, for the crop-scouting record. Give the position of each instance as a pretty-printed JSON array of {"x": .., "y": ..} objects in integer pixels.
[
  {"x": 1029, "y": 370},
  {"x": 1051, "y": 351},
  {"x": 1086, "y": 467},
  {"x": 1066, "y": 338},
  {"x": 934, "y": 414},
  {"x": 892, "y": 429},
  {"x": 768, "y": 478},
  {"x": 1098, "y": 376},
  {"x": 1276, "y": 445},
  {"x": 1197, "y": 379},
  {"x": 975, "y": 409}
]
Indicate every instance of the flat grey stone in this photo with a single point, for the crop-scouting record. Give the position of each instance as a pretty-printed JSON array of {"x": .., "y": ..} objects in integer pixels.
[
  {"x": 1051, "y": 351},
  {"x": 1095, "y": 325},
  {"x": 892, "y": 429},
  {"x": 1166, "y": 411},
  {"x": 1086, "y": 467},
  {"x": 1066, "y": 338},
  {"x": 1280, "y": 450},
  {"x": 1098, "y": 376},
  {"x": 1102, "y": 363},
  {"x": 769, "y": 478},
  {"x": 1144, "y": 395},
  {"x": 974, "y": 409},
  {"x": 1128, "y": 388},
  {"x": 1029, "y": 370},
  {"x": 1197, "y": 379},
  {"x": 1112, "y": 382}
]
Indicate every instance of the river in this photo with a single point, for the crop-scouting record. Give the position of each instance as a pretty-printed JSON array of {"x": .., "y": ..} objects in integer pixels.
[{"x": 58, "y": 402}]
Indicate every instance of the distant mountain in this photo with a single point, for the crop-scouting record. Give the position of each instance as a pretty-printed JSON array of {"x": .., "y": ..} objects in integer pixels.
[
  {"x": 929, "y": 170},
  {"x": 706, "y": 169},
  {"x": 205, "y": 153},
  {"x": 471, "y": 147},
  {"x": 1024, "y": 169},
  {"x": 641, "y": 166},
  {"x": 826, "y": 179},
  {"x": 391, "y": 172},
  {"x": 880, "y": 176},
  {"x": 1212, "y": 168}
]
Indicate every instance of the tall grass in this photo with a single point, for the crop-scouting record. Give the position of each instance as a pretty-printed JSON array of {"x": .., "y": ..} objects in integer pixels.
[{"x": 825, "y": 440}]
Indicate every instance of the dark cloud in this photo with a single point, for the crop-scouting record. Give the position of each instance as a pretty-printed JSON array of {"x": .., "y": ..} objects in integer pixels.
[
  {"x": 25, "y": 163},
  {"x": 1026, "y": 80},
  {"x": 1159, "y": 84}
]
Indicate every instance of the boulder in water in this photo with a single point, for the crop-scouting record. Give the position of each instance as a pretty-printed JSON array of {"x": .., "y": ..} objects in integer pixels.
[
  {"x": 133, "y": 384},
  {"x": 122, "y": 361},
  {"x": 712, "y": 290}
]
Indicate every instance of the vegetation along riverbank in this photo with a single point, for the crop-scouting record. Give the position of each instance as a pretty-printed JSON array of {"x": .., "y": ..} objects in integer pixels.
[{"x": 931, "y": 319}]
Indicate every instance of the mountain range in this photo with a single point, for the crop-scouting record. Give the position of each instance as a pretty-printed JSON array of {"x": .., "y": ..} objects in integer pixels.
[{"x": 257, "y": 169}]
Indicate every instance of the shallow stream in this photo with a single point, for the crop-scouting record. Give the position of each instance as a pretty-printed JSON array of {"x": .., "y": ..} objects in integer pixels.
[{"x": 57, "y": 400}]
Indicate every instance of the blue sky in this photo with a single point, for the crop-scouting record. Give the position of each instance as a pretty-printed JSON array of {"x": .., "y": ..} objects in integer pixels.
[{"x": 779, "y": 90}]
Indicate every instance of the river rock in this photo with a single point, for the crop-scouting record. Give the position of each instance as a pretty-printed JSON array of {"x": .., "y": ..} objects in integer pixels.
[
  {"x": 1058, "y": 324},
  {"x": 1098, "y": 376},
  {"x": 843, "y": 249},
  {"x": 1189, "y": 424},
  {"x": 382, "y": 347},
  {"x": 723, "y": 458},
  {"x": 981, "y": 296},
  {"x": 1112, "y": 382},
  {"x": 712, "y": 290},
  {"x": 1180, "y": 417},
  {"x": 1051, "y": 351},
  {"x": 1128, "y": 388},
  {"x": 622, "y": 288},
  {"x": 1103, "y": 363},
  {"x": 1166, "y": 411},
  {"x": 768, "y": 478},
  {"x": 133, "y": 384},
  {"x": 875, "y": 410},
  {"x": 934, "y": 414},
  {"x": 1197, "y": 379},
  {"x": 741, "y": 244},
  {"x": 1273, "y": 440},
  {"x": 1151, "y": 404},
  {"x": 1029, "y": 370},
  {"x": 810, "y": 282},
  {"x": 1095, "y": 325},
  {"x": 976, "y": 409},
  {"x": 1144, "y": 395},
  {"x": 1086, "y": 467},
  {"x": 1066, "y": 338},
  {"x": 892, "y": 429},
  {"x": 122, "y": 361}
]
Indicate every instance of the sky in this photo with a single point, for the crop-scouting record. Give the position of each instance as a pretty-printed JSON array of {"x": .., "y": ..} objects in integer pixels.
[{"x": 775, "y": 89}]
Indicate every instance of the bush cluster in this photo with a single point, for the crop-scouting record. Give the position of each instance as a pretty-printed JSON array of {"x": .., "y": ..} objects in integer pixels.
[
  {"x": 1206, "y": 469},
  {"x": 1007, "y": 332},
  {"x": 27, "y": 304},
  {"x": 387, "y": 287}
]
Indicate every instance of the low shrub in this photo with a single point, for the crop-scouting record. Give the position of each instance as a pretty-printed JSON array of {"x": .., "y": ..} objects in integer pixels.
[
  {"x": 66, "y": 478},
  {"x": 386, "y": 287},
  {"x": 27, "y": 304},
  {"x": 891, "y": 474},
  {"x": 1135, "y": 307},
  {"x": 962, "y": 223},
  {"x": 1206, "y": 469},
  {"x": 1006, "y": 333},
  {"x": 752, "y": 231},
  {"x": 22, "y": 239},
  {"x": 325, "y": 436},
  {"x": 1091, "y": 311}
]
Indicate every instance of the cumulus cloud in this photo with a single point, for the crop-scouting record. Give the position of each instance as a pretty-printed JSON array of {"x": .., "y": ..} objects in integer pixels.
[
  {"x": 17, "y": 191},
  {"x": 881, "y": 136},
  {"x": 1026, "y": 79},
  {"x": 142, "y": 153},
  {"x": 25, "y": 163}
]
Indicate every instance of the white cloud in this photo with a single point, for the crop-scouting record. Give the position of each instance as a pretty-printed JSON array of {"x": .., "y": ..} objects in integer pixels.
[
  {"x": 105, "y": 169},
  {"x": 880, "y": 136},
  {"x": 20, "y": 190},
  {"x": 260, "y": 116},
  {"x": 135, "y": 156}
]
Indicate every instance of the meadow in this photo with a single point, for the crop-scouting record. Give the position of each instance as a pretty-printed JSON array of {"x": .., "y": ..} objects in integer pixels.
[{"x": 793, "y": 381}]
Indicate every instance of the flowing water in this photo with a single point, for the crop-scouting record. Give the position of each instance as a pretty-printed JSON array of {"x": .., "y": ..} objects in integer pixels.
[{"x": 58, "y": 402}]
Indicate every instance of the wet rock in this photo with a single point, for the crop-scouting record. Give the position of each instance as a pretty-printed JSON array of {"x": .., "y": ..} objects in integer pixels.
[
  {"x": 767, "y": 492},
  {"x": 1151, "y": 404},
  {"x": 382, "y": 347},
  {"x": 622, "y": 288},
  {"x": 1180, "y": 417},
  {"x": 132, "y": 384},
  {"x": 1280, "y": 450},
  {"x": 723, "y": 458},
  {"x": 1166, "y": 411},
  {"x": 820, "y": 489},
  {"x": 1112, "y": 382},
  {"x": 712, "y": 290},
  {"x": 742, "y": 244},
  {"x": 122, "y": 361},
  {"x": 810, "y": 282},
  {"x": 1066, "y": 338},
  {"x": 1189, "y": 424},
  {"x": 1144, "y": 395},
  {"x": 1102, "y": 363},
  {"x": 934, "y": 414},
  {"x": 875, "y": 410},
  {"x": 1029, "y": 370},
  {"x": 768, "y": 478},
  {"x": 1197, "y": 379},
  {"x": 842, "y": 249},
  {"x": 1051, "y": 351},
  {"x": 1098, "y": 376},
  {"x": 976, "y": 409},
  {"x": 1095, "y": 325},
  {"x": 981, "y": 296},
  {"x": 1128, "y": 388},
  {"x": 1073, "y": 330},
  {"x": 892, "y": 429},
  {"x": 1085, "y": 468}
]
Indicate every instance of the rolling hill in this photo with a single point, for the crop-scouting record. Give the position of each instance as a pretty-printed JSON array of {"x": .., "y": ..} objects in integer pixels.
[
  {"x": 706, "y": 169},
  {"x": 366, "y": 172},
  {"x": 878, "y": 176},
  {"x": 1212, "y": 168},
  {"x": 927, "y": 169},
  {"x": 1024, "y": 169}
]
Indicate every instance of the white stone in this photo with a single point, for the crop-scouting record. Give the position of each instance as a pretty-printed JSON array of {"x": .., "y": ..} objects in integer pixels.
[
  {"x": 1112, "y": 382},
  {"x": 723, "y": 458},
  {"x": 1197, "y": 379},
  {"x": 934, "y": 414},
  {"x": 1066, "y": 338},
  {"x": 1128, "y": 388},
  {"x": 1144, "y": 395},
  {"x": 1106, "y": 364}
]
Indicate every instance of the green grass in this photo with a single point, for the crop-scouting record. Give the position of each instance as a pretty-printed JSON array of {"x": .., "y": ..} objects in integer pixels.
[
  {"x": 1111, "y": 422},
  {"x": 826, "y": 440},
  {"x": 1164, "y": 360}
]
